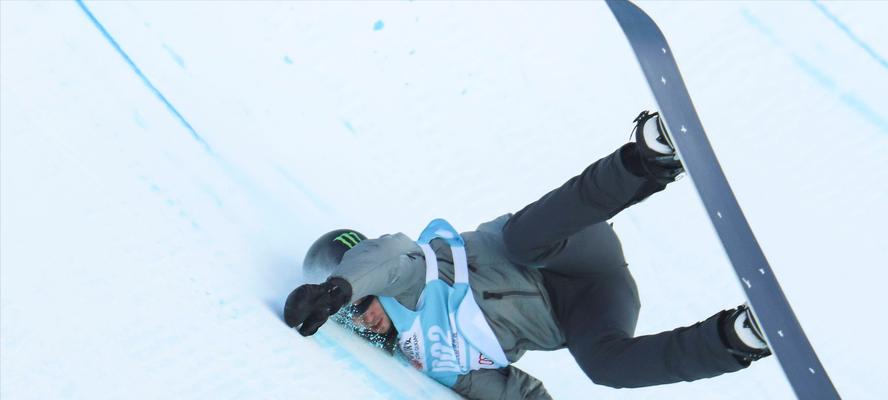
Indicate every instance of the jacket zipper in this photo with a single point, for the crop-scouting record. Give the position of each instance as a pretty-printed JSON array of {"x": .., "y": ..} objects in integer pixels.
[{"x": 499, "y": 295}]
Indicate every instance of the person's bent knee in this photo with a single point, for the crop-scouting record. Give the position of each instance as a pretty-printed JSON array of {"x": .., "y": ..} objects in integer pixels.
[
  {"x": 606, "y": 375},
  {"x": 518, "y": 249},
  {"x": 604, "y": 369}
]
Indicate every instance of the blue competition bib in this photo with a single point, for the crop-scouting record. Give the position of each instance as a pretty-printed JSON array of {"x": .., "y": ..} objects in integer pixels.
[{"x": 447, "y": 336}]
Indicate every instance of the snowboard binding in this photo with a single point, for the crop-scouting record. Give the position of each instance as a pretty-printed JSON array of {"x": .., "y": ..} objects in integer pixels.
[
  {"x": 657, "y": 154},
  {"x": 743, "y": 335}
]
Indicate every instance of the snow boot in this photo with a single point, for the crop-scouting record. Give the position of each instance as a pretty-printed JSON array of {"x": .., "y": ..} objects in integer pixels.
[
  {"x": 655, "y": 156},
  {"x": 743, "y": 336}
]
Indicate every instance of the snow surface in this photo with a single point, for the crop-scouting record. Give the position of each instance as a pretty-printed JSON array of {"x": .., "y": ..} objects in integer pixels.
[{"x": 155, "y": 207}]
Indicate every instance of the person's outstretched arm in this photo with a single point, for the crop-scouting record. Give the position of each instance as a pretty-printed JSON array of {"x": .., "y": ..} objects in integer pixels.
[
  {"x": 390, "y": 266},
  {"x": 500, "y": 384}
]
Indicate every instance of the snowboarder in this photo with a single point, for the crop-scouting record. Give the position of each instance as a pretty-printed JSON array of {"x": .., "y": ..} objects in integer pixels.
[{"x": 463, "y": 307}]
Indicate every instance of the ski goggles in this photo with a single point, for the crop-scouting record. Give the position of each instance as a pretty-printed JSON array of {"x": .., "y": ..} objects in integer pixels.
[{"x": 362, "y": 306}]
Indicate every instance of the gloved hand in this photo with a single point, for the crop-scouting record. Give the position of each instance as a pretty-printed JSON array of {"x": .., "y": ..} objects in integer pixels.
[{"x": 311, "y": 305}]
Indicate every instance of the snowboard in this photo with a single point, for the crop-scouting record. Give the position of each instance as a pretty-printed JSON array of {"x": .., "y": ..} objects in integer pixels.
[{"x": 784, "y": 334}]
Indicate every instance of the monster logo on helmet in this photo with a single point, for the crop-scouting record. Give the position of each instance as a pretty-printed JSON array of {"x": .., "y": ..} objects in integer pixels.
[
  {"x": 326, "y": 252},
  {"x": 350, "y": 238}
]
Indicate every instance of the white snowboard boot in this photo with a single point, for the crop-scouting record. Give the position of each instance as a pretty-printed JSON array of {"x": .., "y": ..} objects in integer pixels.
[
  {"x": 659, "y": 159},
  {"x": 744, "y": 336}
]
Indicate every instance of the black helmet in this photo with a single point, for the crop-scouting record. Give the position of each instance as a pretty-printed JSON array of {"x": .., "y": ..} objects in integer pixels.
[{"x": 326, "y": 253}]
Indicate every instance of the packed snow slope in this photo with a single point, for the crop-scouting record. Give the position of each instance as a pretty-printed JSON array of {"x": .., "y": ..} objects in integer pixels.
[{"x": 166, "y": 164}]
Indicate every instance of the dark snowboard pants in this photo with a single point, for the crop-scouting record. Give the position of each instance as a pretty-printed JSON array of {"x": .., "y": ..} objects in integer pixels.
[{"x": 593, "y": 294}]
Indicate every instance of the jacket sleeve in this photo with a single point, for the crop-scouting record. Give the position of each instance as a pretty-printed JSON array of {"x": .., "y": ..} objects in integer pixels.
[
  {"x": 389, "y": 266},
  {"x": 504, "y": 383}
]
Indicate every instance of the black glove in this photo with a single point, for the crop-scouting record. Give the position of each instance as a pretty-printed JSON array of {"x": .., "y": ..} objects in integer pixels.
[{"x": 311, "y": 305}]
